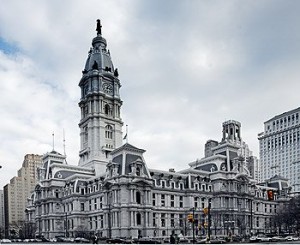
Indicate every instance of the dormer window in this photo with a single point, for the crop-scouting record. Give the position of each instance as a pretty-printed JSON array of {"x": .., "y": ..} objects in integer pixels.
[
  {"x": 138, "y": 171},
  {"x": 107, "y": 68}
]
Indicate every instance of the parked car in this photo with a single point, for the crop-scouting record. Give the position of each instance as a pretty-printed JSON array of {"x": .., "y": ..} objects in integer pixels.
[
  {"x": 145, "y": 240},
  {"x": 81, "y": 240},
  {"x": 254, "y": 239},
  {"x": 5, "y": 241},
  {"x": 291, "y": 238},
  {"x": 264, "y": 239},
  {"x": 118, "y": 240},
  {"x": 277, "y": 239}
]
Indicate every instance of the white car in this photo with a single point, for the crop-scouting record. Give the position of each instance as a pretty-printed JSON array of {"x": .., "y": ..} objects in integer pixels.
[
  {"x": 264, "y": 239},
  {"x": 5, "y": 241},
  {"x": 292, "y": 238}
]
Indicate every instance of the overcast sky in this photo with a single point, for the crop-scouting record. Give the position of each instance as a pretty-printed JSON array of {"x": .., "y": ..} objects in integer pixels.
[{"x": 185, "y": 68}]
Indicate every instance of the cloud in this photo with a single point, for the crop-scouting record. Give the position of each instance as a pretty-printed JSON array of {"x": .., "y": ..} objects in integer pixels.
[{"x": 185, "y": 67}]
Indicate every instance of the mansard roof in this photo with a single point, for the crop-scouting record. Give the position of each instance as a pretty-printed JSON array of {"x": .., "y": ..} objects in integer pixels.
[{"x": 128, "y": 147}]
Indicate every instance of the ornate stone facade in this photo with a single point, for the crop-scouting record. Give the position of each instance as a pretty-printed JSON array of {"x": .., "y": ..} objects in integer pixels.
[{"x": 125, "y": 198}]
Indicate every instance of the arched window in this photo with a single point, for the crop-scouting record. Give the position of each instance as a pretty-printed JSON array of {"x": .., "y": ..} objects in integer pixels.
[
  {"x": 107, "y": 110},
  {"x": 108, "y": 132},
  {"x": 138, "y": 197},
  {"x": 138, "y": 219}
]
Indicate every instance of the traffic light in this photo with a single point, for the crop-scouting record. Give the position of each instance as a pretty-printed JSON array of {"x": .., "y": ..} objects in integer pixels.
[
  {"x": 205, "y": 211},
  {"x": 190, "y": 218},
  {"x": 270, "y": 195}
]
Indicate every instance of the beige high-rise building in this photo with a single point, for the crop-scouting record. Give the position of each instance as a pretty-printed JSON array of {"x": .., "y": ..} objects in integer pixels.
[
  {"x": 1, "y": 214},
  {"x": 17, "y": 192}
]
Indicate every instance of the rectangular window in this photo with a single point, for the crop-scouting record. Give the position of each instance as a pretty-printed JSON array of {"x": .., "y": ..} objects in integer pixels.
[
  {"x": 181, "y": 220},
  {"x": 154, "y": 220},
  {"x": 163, "y": 201},
  {"x": 172, "y": 200},
  {"x": 163, "y": 220},
  {"x": 82, "y": 206},
  {"x": 172, "y": 220},
  {"x": 101, "y": 221},
  {"x": 181, "y": 202},
  {"x": 91, "y": 223},
  {"x": 153, "y": 200},
  {"x": 100, "y": 203}
]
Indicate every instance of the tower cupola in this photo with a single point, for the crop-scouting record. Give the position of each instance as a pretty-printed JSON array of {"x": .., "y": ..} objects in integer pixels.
[{"x": 99, "y": 56}]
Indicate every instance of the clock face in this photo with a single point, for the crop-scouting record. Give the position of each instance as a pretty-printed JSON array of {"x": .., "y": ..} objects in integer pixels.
[{"x": 107, "y": 88}]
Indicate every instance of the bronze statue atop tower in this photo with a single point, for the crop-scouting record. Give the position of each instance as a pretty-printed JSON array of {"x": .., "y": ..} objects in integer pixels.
[{"x": 98, "y": 29}]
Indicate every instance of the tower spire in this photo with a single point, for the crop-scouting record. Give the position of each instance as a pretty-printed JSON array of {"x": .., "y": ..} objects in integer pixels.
[{"x": 99, "y": 26}]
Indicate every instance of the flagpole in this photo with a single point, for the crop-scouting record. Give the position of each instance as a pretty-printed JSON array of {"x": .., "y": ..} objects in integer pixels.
[{"x": 126, "y": 133}]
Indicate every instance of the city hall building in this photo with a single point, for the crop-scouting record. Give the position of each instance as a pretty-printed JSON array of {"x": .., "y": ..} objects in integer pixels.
[{"x": 114, "y": 193}]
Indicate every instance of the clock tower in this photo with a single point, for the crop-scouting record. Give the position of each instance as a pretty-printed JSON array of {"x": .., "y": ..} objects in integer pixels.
[{"x": 100, "y": 104}]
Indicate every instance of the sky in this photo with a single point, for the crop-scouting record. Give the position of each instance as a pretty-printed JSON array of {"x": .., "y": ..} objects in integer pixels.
[{"x": 185, "y": 66}]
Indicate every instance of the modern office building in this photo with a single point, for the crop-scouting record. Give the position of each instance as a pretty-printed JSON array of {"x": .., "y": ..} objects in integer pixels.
[
  {"x": 17, "y": 192},
  {"x": 279, "y": 148},
  {"x": 114, "y": 193}
]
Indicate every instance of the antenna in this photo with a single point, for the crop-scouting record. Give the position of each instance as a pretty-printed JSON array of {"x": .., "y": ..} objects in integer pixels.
[
  {"x": 126, "y": 133},
  {"x": 64, "y": 145},
  {"x": 64, "y": 142}
]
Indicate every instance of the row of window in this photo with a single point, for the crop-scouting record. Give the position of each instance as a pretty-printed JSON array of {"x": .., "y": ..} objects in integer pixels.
[
  {"x": 107, "y": 110},
  {"x": 282, "y": 140},
  {"x": 284, "y": 122}
]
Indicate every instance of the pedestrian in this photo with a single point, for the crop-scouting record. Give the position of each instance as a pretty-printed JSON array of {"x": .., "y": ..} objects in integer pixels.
[
  {"x": 172, "y": 238},
  {"x": 95, "y": 239}
]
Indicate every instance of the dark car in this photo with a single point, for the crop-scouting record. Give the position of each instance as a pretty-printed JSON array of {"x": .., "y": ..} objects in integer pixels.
[{"x": 145, "y": 240}]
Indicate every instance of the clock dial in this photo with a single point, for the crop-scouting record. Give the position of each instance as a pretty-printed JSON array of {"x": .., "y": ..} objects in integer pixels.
[{"x": 107, "y": 88}]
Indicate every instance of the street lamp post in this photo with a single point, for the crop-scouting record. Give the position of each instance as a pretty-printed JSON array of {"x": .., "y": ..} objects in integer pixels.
[
  {"x": 66, "y": 221},
  {"x": 193, "y": 224},
  {"x": 209, "y": 219},
  {"x": 251, "y": 216},
  {"x": 109, "y": 221}
]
